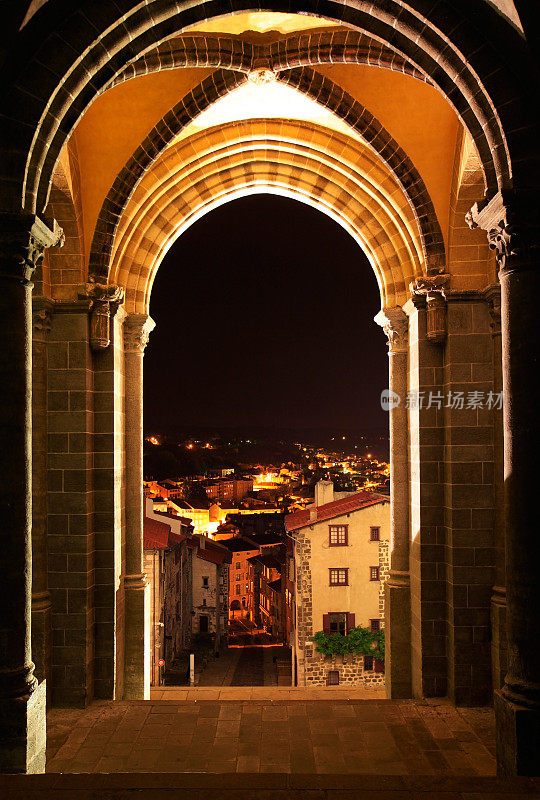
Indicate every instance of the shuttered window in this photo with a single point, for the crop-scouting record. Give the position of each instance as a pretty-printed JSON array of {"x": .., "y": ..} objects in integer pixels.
[{"x": 338, "y": 622}]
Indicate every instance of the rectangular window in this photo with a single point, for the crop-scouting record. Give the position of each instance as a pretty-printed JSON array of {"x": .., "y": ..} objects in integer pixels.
[
  {"x": 237, "y": 588},
  {"x": 375, "y": 533},
  {"x": 238, "y": 565},
  {"x": 338, "y": 623},
  {"x": 374, "y": 573},
  {"x": 339, "y": 577},
  {"x": 368, "y": 663},
  {"x": 338, "y": 535},
  {"x": 332, "y": 677},
  {"x": 375, "y": 625},
  {"x": 205, "y": 581}
]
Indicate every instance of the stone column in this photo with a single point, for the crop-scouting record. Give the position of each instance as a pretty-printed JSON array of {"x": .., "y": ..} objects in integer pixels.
[
  {"x": 23, "y": 238},
  {"x": 41, "y": 597},
  {"x": 397, "y": 611},
  {"x": 511, "y": 221},
  {"x": 137, "y": 329},
  {"x": 499, "y": 656}
]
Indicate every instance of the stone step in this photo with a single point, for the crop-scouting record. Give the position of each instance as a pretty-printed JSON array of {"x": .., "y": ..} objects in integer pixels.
[{"x": 269, "y": 786}]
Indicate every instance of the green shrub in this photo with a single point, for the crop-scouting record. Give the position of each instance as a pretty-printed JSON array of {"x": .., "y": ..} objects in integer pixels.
[{"x": 361, "y": 641}]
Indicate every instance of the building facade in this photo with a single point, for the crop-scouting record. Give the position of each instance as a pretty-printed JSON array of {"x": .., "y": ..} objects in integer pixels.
[
  {"x": 167, "y": 563},
  {"x": 210, "y": 565},
  {"x": 342, "y": 561}
]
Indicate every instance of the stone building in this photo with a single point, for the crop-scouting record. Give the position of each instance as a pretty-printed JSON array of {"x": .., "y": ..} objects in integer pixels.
[
  {"x": 341, "y": 554},
  {"x": 210, "y": 603},
  {"x": 424, "y": 146},
  {"x": 167, "y": 564}
]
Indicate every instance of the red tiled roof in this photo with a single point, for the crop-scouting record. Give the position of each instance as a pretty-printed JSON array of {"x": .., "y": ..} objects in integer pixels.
[
  {"x": 155, "y": 534},
  {"x": 158, "y": 535},
  {"x": 300, "y": 519},
  {"x": 216, "y": 555}
]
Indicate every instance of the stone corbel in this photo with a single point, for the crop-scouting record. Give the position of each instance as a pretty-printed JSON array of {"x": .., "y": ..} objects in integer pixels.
[
  {"x": 433, "y": 288},
  {"x": 512, "y": 225},
  {"x": 493, "y": 298},
  {"x": 106, "y": 298},
  {"x": 395, "y": 323},
  {"x": 41, "y": 316}
]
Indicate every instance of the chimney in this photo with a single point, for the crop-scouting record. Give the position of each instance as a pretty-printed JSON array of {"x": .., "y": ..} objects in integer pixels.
[
  {"x": 313, "y": 515},
  {"x": 324, "y": 493}
]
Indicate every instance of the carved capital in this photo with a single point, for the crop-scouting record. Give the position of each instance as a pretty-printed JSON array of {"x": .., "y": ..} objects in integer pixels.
[
  {"x": 395, "y": 323},
  {"x": 137, "y": 330},
  {"x": 105, "y": 299},
  {"x": 434, "y": 288},
  {"x": 23, "y": 240},
  {"x": 512, "y": 225}
]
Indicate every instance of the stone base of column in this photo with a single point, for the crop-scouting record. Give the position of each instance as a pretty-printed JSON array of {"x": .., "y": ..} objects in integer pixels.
[
  {"x": 137, "y": 638},
  {"x": 499, "y": 646},
  {"x": 23, "y": 732},
  {"x": 397, "y": 614},
  {"x": 41, "y": 637},
  {"x": 517, "y": 735}
]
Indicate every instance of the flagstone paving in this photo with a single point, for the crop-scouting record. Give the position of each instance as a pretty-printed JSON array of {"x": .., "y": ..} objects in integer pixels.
[{"x": 291, "y": 735}]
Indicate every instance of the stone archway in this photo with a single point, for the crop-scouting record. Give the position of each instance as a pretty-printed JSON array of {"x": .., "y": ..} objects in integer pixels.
[{"x": 485, "y": 72}]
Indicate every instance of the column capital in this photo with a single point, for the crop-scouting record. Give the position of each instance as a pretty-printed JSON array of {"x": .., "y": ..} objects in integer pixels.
[
  {"x": 395, "y": 323},
  {"x": 137, "y": 330},
  {"x": 512, "y": 224},
  {"x": 23, "y": 240}
]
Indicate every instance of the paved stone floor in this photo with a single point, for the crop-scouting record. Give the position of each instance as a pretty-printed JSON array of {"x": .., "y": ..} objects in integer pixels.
[{"x": 309, "y": 736}]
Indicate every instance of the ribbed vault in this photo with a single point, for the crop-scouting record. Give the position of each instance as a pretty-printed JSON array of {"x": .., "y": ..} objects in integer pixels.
[
  {"x": 307, "y": 50},
  {"x": 316, "y": 87},
  {"x": 326, "y": 169},
  {"x": 465, "y": 62}
]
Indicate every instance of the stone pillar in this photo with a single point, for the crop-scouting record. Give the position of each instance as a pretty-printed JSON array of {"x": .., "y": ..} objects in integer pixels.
[
  {"x": 468, "y": 496},
  {"x": 499, "y": 655},
  {"x": 397, "y": 610},
  {"x": 41, "y": 596},
  {"x": 426, "y": 490},
  {"x": 137, "y": 328},
  {"x": 23, "y": 239},
  {"x": 511, "y": 221}
]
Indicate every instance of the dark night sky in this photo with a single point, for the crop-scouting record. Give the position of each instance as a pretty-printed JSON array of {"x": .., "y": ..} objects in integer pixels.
[{"x": 264, "y": 317}]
